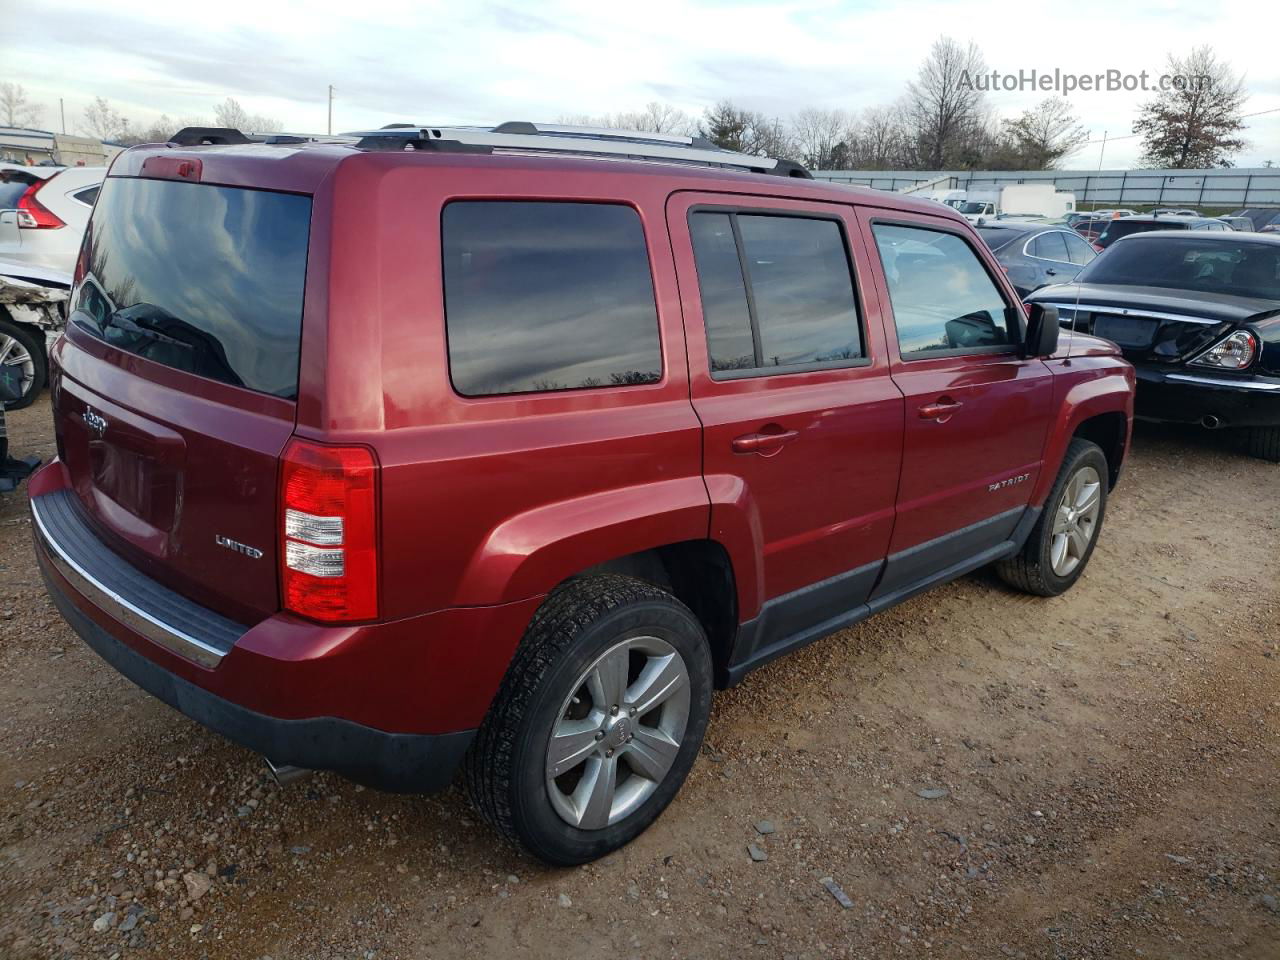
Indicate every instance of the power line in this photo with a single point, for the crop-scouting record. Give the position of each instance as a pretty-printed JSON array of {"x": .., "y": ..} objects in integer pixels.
[{"x": 1243, "y": 116}]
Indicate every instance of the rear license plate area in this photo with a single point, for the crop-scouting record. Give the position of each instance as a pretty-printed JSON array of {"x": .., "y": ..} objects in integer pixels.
[{"x": 1125, "y": 331}]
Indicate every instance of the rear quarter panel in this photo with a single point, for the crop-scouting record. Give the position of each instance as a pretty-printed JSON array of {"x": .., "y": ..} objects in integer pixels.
[{"x": 489, "y": 499}]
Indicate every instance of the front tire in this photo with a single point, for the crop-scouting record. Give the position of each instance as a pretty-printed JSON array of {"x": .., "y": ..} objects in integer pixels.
[
  {"x": 597, "y": 722},
  {"x": 1062, "y": 541}
]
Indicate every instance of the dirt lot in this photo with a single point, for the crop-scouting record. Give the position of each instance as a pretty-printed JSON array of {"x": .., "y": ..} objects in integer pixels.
[{"x": 1110, "y": 764}]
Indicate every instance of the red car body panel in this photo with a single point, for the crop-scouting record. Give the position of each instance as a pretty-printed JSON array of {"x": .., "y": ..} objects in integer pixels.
[
  {"x": 488, "y": 503},
  {"x": 824, "y": 504}
]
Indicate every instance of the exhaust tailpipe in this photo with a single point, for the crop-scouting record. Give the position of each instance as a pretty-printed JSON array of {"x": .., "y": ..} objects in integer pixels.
[
  {"x": 1210, "y": 422},
  {"x": 285, "y": 774}
]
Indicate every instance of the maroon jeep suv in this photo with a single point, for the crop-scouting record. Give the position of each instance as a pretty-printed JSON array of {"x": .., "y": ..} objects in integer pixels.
[{"x": 499, "y": 450}]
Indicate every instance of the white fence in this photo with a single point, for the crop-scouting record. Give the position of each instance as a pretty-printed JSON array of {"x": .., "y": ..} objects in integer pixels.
[{"x": 1246, "y": 187}]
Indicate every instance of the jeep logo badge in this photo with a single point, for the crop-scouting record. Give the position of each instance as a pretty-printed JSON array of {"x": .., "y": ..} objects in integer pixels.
[
  {"x": 238, "y": 547},
  {"x": 97, "y": 424}
]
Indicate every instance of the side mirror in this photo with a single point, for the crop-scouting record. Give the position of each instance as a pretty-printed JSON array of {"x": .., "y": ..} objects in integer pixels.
[{"x": 1042, "y": 330}]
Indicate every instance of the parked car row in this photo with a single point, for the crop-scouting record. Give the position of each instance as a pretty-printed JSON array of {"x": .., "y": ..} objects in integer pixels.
[{"x": 1192, "y": 302}]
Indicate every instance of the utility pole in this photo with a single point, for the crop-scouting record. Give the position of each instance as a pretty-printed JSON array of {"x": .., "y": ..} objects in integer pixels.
[
  {"x": 330, "y": 131},
  {"x": 62, "y": 109},
  {"x": 1101, "y": 152}
]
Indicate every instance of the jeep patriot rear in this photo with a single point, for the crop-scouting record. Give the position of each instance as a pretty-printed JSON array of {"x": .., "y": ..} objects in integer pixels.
[{"x": 453, "y": 449}]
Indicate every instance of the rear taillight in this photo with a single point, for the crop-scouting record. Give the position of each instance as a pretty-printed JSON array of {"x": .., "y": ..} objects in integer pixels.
[
  {"x": 328, "y": 531},
  {"x": 34, "y": 215},
  {"x": 1234, "y": 352}
]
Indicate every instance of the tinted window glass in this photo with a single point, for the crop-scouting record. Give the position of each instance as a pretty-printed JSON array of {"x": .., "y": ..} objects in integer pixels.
[
  {"x": 997, "y": 238},
  {"x": 1225, "y": 266},
  {"x": 87, "y": 196},
  {"x": 547, "y": 296},
  {"x": 13, "y": 184},
  {"x": 942, "y": 297},
  {"x": 724, "y": 295},
  {"x": 1077, "y": 249},
  {"x": 803, "y": 292},
  {"x": 1049, "y": 246},
  {"x": 199, "y": 278},
  {"x": 1123, "y": 228}
]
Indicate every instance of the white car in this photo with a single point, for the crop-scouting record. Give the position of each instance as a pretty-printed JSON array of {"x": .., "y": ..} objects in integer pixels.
[
  {"x": 32, "y": 315},
  {"x": 44, "y": 212}
]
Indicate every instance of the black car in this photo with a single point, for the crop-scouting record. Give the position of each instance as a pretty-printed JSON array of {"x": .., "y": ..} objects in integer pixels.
[
  {"x": 1145, "y": 223},
  {"x": 1035, "y": 254},
  {"x": 1198, "y": 315}
]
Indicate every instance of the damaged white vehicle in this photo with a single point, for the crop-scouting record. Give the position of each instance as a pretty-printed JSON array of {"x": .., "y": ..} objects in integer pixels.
[{"x": 33, "y": 311}]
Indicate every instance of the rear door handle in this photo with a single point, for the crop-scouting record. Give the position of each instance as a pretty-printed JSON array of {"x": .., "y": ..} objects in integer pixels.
[
  {"x": 763, "y": 443},
  {"x": 940, "y": 410}
]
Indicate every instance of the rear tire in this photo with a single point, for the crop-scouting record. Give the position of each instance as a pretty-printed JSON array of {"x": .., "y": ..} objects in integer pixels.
[
  {"x": 554, "y": 768},
  {"x": 1264, "y": 443},
  {"x": 22, "y": 356},
  {"x": 1062, "y": 541}
]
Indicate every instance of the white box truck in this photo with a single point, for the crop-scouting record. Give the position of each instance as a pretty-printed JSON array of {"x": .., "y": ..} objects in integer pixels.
[{"x": 1017, "y": 200}]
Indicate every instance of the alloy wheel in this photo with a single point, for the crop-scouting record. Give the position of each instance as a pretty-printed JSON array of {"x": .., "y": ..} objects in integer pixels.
[
  {"x": 1075, "y": 520},
  {"x": 17, "y": 363},
  {"x": 618, "y": 733}
]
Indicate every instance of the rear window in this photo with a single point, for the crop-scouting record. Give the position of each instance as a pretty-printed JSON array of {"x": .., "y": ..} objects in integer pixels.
[
  {"x": 13, "y": 184},
  {"x": 1211, "y": 266},
  {"x": 997, "y": 238},
  {"x": 200, "y": 278},
  {"x": 1123, "y": 228},
  {"x": 543, "y": 296}
]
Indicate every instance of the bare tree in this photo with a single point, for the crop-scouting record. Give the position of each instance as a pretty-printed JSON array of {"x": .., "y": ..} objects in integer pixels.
[
  {"x": 825, "y": 139},
  {"x": 15, "y": 109},
  {"x": 1043, "y": 136},
  {"x": 229, "y": 113},
  {"x": 104, "y": 121},
  {"x": 660, "y": 118},
  {"x": 1196, "y": 122},
  {"x": 943, "y": 105},
  {"x": 654, "y": 118},
  {"x": 882, "y": 144},
  {"x": 745, "y": 131}
]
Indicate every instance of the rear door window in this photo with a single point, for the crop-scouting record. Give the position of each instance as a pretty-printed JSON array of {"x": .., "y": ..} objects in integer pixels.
[
  {"x": 544, "y": 296},
  {"x": 1077, "y": 249},
  {"x": 200, "y": 278},
  {"x": 944, "y": 301},
  {"x": 777, "y": 293},
  {"x": 1049, "y": 246}
]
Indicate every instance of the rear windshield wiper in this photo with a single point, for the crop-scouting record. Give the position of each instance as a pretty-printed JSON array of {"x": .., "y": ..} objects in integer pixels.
[{"x": 143, "y": 326}]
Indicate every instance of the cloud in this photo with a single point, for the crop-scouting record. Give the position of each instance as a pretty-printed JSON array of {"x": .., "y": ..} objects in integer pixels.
[{"x": 486, "y": 62}]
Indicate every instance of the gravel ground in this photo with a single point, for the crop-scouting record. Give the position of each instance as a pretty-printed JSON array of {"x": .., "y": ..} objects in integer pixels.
[{"x": 975, "y": 773}]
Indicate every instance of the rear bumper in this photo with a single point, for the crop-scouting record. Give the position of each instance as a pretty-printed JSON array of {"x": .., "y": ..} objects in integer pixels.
[
  {"x": 406, "y": 762},
  {"x": 394, "y": 705},
  {"x": 1183, "y": 396}
]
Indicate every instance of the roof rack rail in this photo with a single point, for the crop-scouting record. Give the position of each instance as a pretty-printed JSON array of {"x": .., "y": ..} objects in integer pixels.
[
  {"x": 524, "y": 136},
  {"x": 226, "y": 136}
]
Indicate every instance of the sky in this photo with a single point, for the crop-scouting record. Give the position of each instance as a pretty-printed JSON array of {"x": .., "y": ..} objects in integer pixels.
[{"x": 487, "y": 62}]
